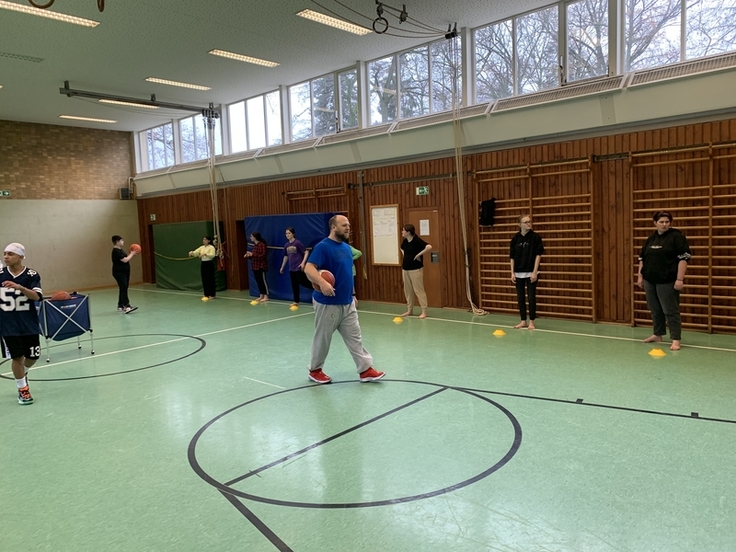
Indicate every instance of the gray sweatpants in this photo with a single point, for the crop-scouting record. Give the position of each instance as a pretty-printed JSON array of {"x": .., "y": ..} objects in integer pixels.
[
  {"x": 344, "y": 319},
  {"x": 664, "y": 304}
]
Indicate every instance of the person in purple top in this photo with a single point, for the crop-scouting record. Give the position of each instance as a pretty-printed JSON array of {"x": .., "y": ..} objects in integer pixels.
[
  {"x": 334, "y": 307},
  {"x": 295, "y": 254}
]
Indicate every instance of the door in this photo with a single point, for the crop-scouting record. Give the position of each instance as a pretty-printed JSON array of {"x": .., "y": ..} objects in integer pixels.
[{"x": 427, "y": 225}]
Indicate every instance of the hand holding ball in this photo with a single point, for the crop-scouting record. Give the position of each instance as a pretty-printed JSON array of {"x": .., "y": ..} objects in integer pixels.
[
  {"x": 327, "y": 276},
  {"x": 135, "y": 248}
]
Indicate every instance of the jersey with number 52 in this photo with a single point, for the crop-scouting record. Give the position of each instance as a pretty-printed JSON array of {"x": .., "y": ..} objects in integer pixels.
[{"x": 18, "y": 314}]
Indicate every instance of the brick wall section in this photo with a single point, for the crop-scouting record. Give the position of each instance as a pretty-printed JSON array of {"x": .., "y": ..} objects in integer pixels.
[{"x": 63, "y": 162}]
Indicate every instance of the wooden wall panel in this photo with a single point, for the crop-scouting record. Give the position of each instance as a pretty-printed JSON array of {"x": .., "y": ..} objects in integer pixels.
[{"x": 611, "y": 220}]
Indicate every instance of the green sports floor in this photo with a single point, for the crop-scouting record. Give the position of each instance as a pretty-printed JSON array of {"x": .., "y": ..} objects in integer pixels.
[{"x": 193, "y": 427}]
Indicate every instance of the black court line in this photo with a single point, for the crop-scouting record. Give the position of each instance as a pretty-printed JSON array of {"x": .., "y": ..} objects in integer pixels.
[
  {"x": 332, "y": 437},
  {"x": 202, "y": 345},
  {"x": 257, "y": 523},
  {"x": 580, "y": 402}
]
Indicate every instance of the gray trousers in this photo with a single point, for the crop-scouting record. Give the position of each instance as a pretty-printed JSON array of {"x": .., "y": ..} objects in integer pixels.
[
  {"x": 664, "y": 304},
  {"x": 344, "y": 319}
]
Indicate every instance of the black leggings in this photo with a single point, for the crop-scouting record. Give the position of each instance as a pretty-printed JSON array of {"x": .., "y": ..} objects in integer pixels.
[
  {"x": 207, "y": 271},
  {"x": 261, "y": 281},
  {"x": 298, "y": 278},
  {"x": 521, "y": 283}
]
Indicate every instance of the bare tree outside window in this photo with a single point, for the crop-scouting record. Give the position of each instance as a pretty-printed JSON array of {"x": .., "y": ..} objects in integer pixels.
[
  {"x": 323, "y": 105},
  {"x": 414, "y": 92},
  {"x": 301, "y": 111},
  {"x": 587, "y": 39},
  {"x": 710, "y": 27},
  {"x": 537, "y": 51},
  {"x": 652, "y": 36},
  {"x": 160, "y": 141},
  {"x": 445, "y": 61},
  {"x": 274, "y": 132},
  {"x": 382, "y": 82},
  {"x": 236, "y": 114},
  {"x": 348, "y": 85},
  {"x": 494, "y": 61}
]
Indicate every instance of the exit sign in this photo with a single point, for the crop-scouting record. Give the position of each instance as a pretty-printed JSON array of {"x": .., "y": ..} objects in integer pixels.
[
  {"x": 422, "y": 190},
  {"x": 4, "y": 193}
]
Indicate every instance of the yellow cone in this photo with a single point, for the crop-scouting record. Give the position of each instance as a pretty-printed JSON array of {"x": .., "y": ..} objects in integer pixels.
[
  {"x": 293, "y": 307},
  {"x": 205, "y": 298},
  {"x": 254, "y": 302},
  {"x": 499, "y": 333},
  {"x": 657, "y": 353},
  {"x": 398, "y": 320}
]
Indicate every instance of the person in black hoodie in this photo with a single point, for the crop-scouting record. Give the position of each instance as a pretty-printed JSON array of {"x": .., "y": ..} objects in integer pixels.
[
  {"x": 526, "y": 254},
  {"x": 662, "y": 266}
]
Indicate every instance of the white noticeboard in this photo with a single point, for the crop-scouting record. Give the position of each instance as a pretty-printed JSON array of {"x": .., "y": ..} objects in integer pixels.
[{"x": 385, "y": 234}]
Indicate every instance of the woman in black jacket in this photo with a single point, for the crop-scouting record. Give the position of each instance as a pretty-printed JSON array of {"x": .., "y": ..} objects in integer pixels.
[{"x": 526, "y": 254}]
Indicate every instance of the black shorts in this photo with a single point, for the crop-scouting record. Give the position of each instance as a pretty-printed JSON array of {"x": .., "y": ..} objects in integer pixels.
[{"x": 17, "y": 346}]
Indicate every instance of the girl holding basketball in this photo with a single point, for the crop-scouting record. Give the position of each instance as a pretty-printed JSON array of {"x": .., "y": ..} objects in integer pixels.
[
  {"x": 121, "y": 272},
  {"x": 207, "y": 253}
]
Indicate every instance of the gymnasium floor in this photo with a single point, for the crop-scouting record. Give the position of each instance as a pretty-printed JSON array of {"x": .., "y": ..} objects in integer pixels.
[{"x": 194, "y": 428}]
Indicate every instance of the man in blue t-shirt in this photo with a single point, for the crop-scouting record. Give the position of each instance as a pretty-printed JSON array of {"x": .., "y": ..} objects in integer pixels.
[
  {"x": 334, "y": 307},
  {"x": 20, "y": 286}
]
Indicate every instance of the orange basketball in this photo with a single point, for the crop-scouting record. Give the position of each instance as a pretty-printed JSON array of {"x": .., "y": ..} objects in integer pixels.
[
  {"x": 327, "y": 276},
  {"x": 135, "y": 247},
  {"x": 60, "y": 296}
]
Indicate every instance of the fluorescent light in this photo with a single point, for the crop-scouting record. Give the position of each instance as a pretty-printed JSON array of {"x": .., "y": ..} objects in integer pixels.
[
  {"x": 49, "y": 14},
  {"x": 129, "y": 104},
  {"x": 110, "y": 121},
  {"x": 333, "y": 22},
  {"x": 20, "y": 57},
  {"x": 240, "y": 57},
  {"x": 180, "y": 84}
]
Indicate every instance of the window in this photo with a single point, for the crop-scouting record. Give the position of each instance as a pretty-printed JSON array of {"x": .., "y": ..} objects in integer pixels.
[
  {"x": 710, "y": 27},
  {"x": 414, "y": 72},
  {"x": 382, "y": 84},
  {"x": 652, "y": 36},
  {"x": 301, "y": 111},
  {"x": 587, "y": 39},
  {"x": 195, "y": 141},
  {"x": 260, "y": 127},
  {"x": 494, "y": 62},
  {"x": 445, "y": 61},
  {"x": 160, "y": 146},
  {"x": 348, "y": 84},
  {"x": 537, "y": 66},
  {"x": 323, "y": 102}
]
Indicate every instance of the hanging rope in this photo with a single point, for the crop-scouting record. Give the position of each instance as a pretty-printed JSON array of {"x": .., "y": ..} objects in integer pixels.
[
  {"x": 210, "y": 117},
  {"x": 459, "y": 172}
]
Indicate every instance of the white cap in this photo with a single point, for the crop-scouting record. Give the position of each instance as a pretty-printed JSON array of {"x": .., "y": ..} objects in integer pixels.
[{"x": 16, "y": 248}]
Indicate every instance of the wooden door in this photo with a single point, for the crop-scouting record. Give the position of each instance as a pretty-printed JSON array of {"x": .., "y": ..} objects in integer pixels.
[{"x": 427, "y": 225}]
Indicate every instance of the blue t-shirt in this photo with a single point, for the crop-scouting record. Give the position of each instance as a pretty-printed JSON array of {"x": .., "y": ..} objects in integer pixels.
[
  {"x": 18, "y": 314},
  {"x": 336, "y": 257}
]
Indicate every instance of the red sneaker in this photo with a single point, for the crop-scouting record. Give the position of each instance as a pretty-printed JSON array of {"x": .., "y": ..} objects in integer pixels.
[
  {"x": 24, "y": 396},
  {"x": 318, "y": 376},
  {"x": 371, "y": 375}
]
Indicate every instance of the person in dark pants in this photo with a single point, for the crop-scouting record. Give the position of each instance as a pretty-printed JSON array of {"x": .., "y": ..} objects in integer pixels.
[
  {"x": 259, "y": 264},
  {"x": 295, "y": 255},
  {"x": 662, "y": 265},
  {"x": 526, "y": 254},
  {"x": 121, "y": 273},
  {"x": 207, "y": 253}
]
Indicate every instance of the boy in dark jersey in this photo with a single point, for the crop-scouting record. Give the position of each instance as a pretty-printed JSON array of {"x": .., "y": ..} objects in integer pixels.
[{"x": 20, "y": 286}]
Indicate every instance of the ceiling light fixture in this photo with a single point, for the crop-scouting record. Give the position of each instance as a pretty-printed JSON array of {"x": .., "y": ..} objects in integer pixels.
[
  {"x": 88, "y": 119},
  {"x": 100, "y": 4},
  {"x": 333, "y": 22},
  {"x": 48, "y": 14},
  {"x": 129, "y": 104},
  {"x": 179, "y": 84},
  {"x": 240, "y": 57},
  {"x": 20, "y": 57}
]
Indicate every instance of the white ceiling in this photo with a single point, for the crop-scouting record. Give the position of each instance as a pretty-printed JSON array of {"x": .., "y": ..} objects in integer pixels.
[{"x": 170, "y": 39}]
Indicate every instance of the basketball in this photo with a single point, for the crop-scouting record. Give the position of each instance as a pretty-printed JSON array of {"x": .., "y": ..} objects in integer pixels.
[
  {"x": 135, "y": 247},
  {"x": 60, "y": 296},
  {"x": 327, "y": 276}
]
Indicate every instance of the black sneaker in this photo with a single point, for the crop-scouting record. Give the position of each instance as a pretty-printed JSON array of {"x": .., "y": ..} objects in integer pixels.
[
  {"x": 24, "y": 396},
  {"x": 128, "y": 310}
]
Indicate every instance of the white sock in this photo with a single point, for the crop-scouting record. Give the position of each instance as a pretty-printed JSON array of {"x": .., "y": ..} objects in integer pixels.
[{"x": 21, "y": 383}]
